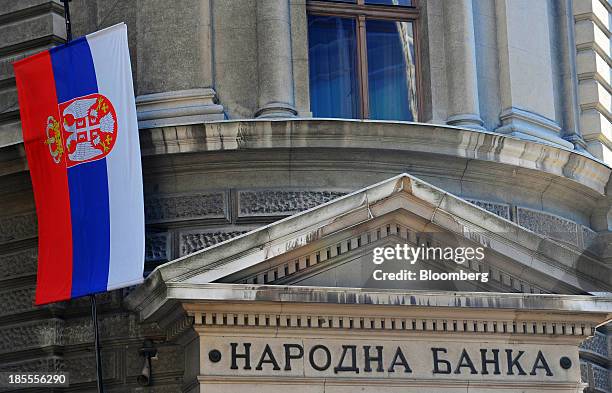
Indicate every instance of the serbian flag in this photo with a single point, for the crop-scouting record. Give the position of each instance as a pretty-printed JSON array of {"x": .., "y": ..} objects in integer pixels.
[{"x": 81, "y": 140}]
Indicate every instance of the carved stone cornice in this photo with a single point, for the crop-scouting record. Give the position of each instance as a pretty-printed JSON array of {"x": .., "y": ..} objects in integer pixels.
[
  {"x": 406, "y": 321},
  {"x": 259, "y": 306},
  {"x": 374, "y": 135}
]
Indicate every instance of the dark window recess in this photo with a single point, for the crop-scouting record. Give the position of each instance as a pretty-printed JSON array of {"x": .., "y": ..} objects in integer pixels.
[{"x": 363, "y": 59}]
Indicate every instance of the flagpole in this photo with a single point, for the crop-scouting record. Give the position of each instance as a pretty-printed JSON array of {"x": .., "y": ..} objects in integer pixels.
[
  {"x": 94, "y": 317},
  {"x": 94, "y": 311},
  {"x": 67, "y": 18}
]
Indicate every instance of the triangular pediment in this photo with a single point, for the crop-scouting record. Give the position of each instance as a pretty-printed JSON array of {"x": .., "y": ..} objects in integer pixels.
[
  {"x": 355, "y": 258},
  {"x": 333, "y": 245}
]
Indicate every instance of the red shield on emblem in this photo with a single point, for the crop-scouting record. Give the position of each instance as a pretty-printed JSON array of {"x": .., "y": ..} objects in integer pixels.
[{"x": 89, "y": 128}]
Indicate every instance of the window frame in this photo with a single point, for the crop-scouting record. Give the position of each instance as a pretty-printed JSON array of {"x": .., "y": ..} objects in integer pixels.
[{"x": 360, "y": 12}]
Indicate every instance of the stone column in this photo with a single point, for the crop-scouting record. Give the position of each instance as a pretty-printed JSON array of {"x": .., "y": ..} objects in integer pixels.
[
  {"x": 460, "y": 47},
  {"x": 274, "y": 59}
]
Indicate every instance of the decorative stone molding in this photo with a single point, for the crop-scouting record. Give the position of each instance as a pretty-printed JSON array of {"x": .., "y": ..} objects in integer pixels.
[
  {"x": 18, "y": 228},
  {"x": 451, "y": 325},
  {"x": 15, "y": 301},
  {"x": 112, "y": 326},
  {"x": 421, "y": 139},
  {"x": 531, "y": 126},
  {"x": 601, "y": 379},
  {"x": 597, "y": 377},
  {"x": 549, "y": 225},
  {"x": 83, "y": 368},
  {"x": 171, "y": 208},
  {"x": 500, "y": 209},
  {"x": 191, "y": 242},
  {"x": 49, "y": 364},
  {"x": 157, "y": 247},
  {"x": 346, "y": 222},
  {"x": 598, "y": 345},
  {"x": 31, "y": 335},
  {"x": 178, "y": 108},
  {"x": 279, "y": 202},
  {"x": 179, "y": 326},
  {"x": 22, "y": 263}
]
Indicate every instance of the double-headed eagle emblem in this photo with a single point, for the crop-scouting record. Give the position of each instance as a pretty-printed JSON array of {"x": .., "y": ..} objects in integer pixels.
[{"x": 86, "y": 131}]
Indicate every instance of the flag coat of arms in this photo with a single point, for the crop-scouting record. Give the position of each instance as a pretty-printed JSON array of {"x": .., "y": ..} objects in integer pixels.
[{"x": 81, "y": 139}]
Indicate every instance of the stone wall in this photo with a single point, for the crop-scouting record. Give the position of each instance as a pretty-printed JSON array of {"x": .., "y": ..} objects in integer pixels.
[
  {"x": 26, "y": 27},
  {"x": 59, "y": 337}
]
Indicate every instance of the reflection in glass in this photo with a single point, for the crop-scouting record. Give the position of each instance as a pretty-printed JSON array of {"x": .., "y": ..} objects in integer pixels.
[
  {"x": 404, "y": 3},
  {"x": 391, "y": 70},
  {"x": 332, "y": 54}
]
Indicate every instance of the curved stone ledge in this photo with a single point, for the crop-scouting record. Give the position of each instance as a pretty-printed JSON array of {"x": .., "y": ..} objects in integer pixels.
[
  {"x": 359, "y": 134},
  {"x": 367, "y": 134}
]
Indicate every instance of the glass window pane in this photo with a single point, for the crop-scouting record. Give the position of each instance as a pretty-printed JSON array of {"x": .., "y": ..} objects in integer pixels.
[
  {"x": 404, "y": 3},
  {"x": 391, "y": 70},
  {"x": 332, "y": 57}
]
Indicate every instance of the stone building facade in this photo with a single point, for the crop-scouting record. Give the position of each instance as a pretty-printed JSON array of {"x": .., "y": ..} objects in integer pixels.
[{"x": 273, "y": 165}]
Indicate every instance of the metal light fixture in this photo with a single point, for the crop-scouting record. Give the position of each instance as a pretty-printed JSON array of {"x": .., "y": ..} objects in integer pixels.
[{"x": 148, "y": 351}]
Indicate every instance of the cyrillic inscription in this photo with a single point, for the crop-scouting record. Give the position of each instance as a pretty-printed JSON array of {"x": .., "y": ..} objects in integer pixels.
[{"x": 389, "y": 359}]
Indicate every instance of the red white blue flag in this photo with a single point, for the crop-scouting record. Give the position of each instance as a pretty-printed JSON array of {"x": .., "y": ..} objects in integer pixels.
[{"x": 81, "y": 139}]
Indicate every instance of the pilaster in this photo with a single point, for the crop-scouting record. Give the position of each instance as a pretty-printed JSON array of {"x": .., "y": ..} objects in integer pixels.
[{"x": 527, "y": 97}]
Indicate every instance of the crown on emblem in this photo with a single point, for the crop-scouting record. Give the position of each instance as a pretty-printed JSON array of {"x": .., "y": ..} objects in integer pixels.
[{"x": 54, "y": 139}]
